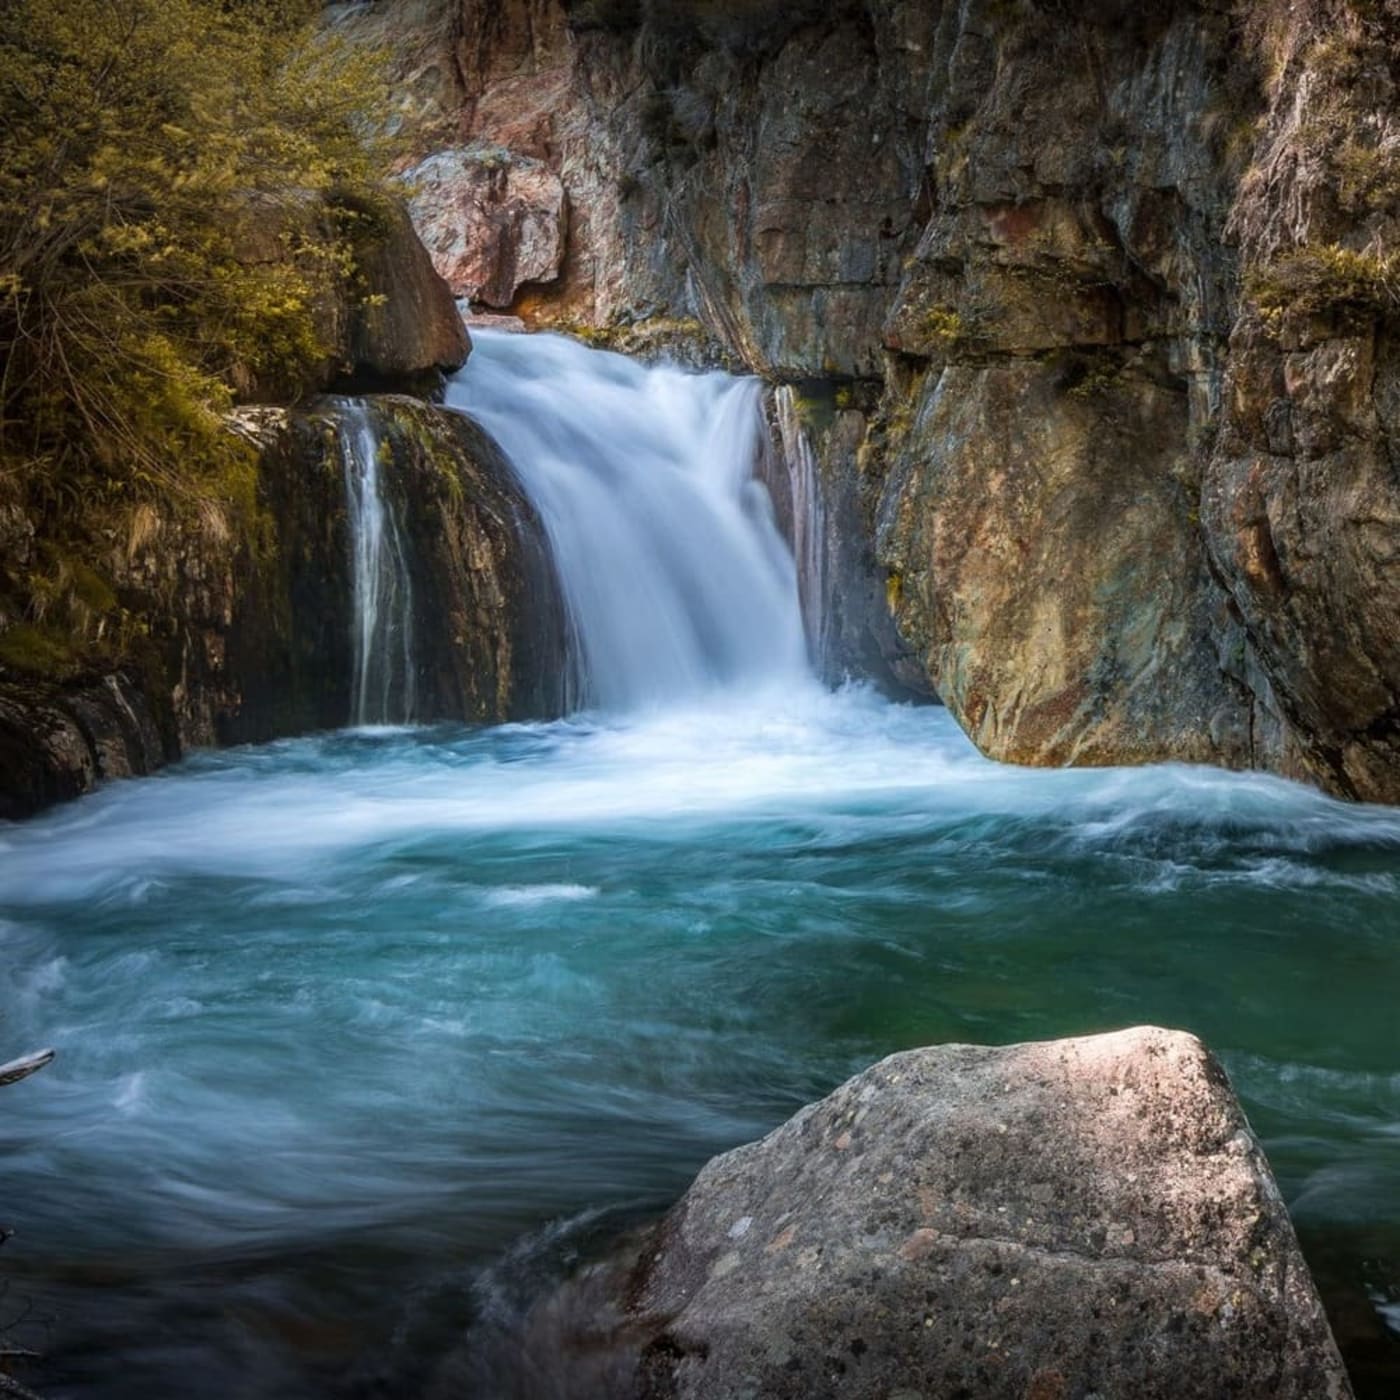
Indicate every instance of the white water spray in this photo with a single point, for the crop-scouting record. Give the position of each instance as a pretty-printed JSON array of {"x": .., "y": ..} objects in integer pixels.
[
  {"x": 676, "y": 578},
  {"x": 383, "y": 592}
]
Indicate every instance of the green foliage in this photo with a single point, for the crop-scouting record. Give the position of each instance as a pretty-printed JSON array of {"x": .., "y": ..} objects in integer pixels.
[
  {"x": 1320, "y": 277},
  {"x": 179, "y": 193},
  {"x": 36, "y": 651}
]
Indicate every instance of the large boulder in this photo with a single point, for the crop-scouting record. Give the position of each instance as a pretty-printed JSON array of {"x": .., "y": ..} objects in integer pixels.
[
  {"x": 383, "y": 318},
  {"x": 1076, "y": 1218},
  {"x": 409, "y": 329}
]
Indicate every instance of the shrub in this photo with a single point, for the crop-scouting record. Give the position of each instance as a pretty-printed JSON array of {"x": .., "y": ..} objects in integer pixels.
[
  {"x": 162, "y": 234},
  {"x": 943, "y": 327},
  {"x": 1319, "y": 277}
]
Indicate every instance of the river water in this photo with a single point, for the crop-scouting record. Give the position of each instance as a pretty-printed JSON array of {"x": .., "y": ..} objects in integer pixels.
[{"x": 365, "y": 1036}]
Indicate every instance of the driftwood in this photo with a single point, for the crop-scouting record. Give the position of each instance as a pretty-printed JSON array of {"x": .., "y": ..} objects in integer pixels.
[{"x": 23, "y": 1067}]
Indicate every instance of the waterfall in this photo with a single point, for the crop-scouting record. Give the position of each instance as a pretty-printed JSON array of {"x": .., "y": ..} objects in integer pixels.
[
  {"x": 808, "y": 517},
  {"x": 676, "y": 578},
  {"x": 383, "y": 593}
]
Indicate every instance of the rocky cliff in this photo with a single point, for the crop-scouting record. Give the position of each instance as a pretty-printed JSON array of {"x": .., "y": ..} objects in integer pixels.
[
  {"x": 1087, "y": 307},
  {"x": 173, "y": 628}
]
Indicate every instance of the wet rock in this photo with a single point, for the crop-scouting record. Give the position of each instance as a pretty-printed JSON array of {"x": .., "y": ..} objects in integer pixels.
[
  {"x": 486, "y": 597},
  {"x": 247, "y": 637},
  {"x": 279, "y": 659},
  {"x": 825, "y": 504},
  {"x": 58, "y": 740},
  {"x": 1067, "y": 1219}
]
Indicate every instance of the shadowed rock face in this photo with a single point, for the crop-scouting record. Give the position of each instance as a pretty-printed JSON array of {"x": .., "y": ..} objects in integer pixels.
[
  {"x": 486, "y": 598},
  {"x": 1066, "y": 1219},
  {"x": 252, "y": 641},
  {"x": 1017, "y": 245},
  {"x": 411, "y": 332},
  {"x": 56, "y": 742}
]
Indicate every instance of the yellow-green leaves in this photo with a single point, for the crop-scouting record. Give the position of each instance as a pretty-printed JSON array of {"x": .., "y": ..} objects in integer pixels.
[{"x": 169, "y": 229}]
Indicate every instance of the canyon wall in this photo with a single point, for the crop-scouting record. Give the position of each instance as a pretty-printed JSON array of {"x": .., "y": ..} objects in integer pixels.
[{"x": 1083, "y": 309}]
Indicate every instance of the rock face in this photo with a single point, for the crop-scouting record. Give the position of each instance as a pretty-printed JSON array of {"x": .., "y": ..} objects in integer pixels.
[
  {"x": 1301, "y": 496},
  {"x": 1046, "y": 564},
  {"x": 1067, "y": 1219},
  {"x": 246, "y": 640},
  {"x": 491, "y": 221},
  {"x": 1099, "y": 372},
  {"x": 58, "y": 741},
  {"x": 214, "y": 627}
]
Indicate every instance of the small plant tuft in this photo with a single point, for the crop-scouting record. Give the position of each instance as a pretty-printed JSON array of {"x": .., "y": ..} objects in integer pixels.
[{"x": 1321, "y": 277}]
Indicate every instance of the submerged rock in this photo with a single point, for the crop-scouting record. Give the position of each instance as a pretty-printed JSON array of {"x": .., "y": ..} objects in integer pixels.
[{"x": 1076, "y": 1218}]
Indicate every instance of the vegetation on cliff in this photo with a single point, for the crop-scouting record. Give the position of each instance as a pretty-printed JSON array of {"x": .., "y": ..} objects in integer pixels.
[
  {"x": 183, "y": 186},
  {"x": 1315, "y": 218}
]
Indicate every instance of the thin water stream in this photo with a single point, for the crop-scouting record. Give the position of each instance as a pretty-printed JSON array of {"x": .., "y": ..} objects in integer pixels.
[
  {"x": 365, "y": 1036},
  {"x": 384, "y": 680}
]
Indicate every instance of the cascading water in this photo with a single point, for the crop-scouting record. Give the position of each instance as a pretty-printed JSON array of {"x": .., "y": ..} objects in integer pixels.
[
  {"x": 808, "y": 516},
  {"x": 675, "y": 575},
  {"x": 383, "y": 690}
]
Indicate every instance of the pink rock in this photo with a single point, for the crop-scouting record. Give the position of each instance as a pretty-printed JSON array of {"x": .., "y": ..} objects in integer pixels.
[{"x": 490, "y": 219}]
